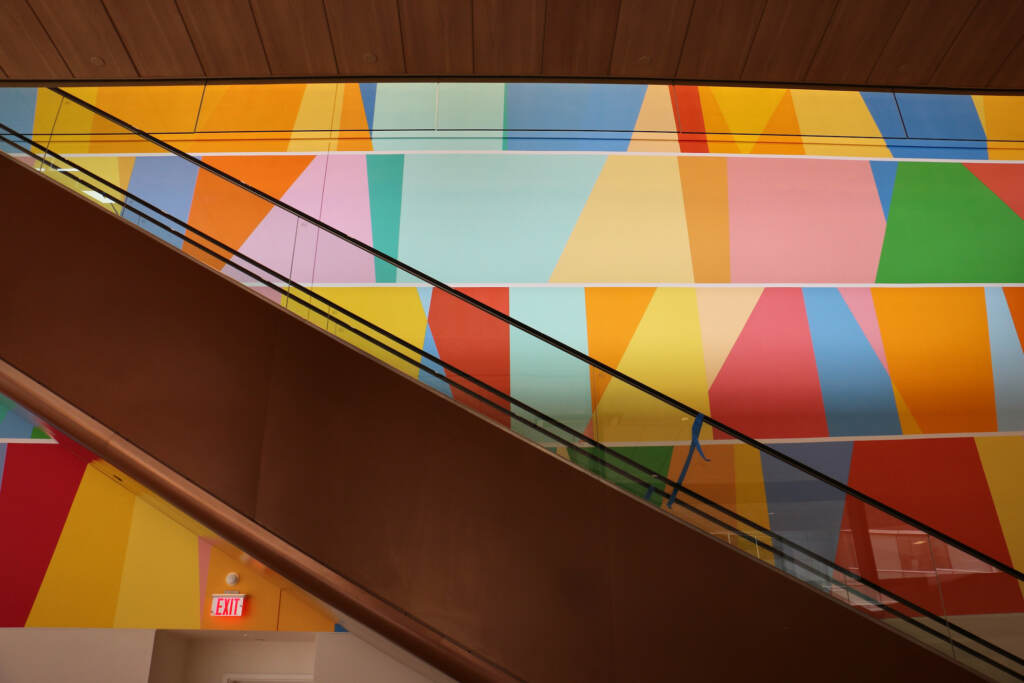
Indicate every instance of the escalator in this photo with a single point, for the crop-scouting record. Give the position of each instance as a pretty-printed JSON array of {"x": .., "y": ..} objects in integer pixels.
[{"x": 385, "y": 475}]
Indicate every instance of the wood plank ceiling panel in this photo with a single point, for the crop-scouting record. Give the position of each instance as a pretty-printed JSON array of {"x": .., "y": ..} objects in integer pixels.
[
  {"x": 649, "y": 38},
  {"x": 787, "y": 38},
  {"x": 1011, "y": 74},
  {"x": 295, "y": 37},
  {"x": 854, "y": 40},
  {"x": 225, "y": 36},
  {"x": 86, "y": 38},
  {"x": 996, "y": 25},
  {"x": 366, "y": 35},
  {"x": 26, "y": 51},
  {"x": 579, "y": 42},
  {"x": 156, "y": 38},
  {"x": 718, "y": 39},
  {"x": 438, "y": 36},
  {"x": 508, "y": 37},
  {"x": 922, "y": 36}
]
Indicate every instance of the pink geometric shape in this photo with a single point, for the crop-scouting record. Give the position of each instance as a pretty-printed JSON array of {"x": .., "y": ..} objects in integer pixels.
[
  {"x": 276, "y": 242},
  {"x": 860, "y": 303},
  {"x": 768, "y": 386},
  {"x": 346, "y": 208},
  {"x": 803, "y": 220}
]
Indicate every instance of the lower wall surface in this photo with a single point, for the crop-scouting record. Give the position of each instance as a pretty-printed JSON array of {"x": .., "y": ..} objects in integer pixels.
[
  {"x": 45, "y": 655},
  {"x": 552, "y": 575}
]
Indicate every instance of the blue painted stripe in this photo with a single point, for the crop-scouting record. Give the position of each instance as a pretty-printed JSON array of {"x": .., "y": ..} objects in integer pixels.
[
  {"x": 1007, "y": 361},
  {"x": 166, "y": 182},
  {"x": 885, "y": 180},
  {"x": 855, "y": 387},
  {"x": 533, "y": 108}
]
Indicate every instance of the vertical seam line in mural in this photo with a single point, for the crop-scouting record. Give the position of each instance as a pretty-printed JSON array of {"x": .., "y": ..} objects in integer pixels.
[
  {"x": 686, "y": 36},
  {"x": 124, "y": 45},
  {"x": 753, "y": 39},
  {"x": 821, "y": 40},
  {"x": 949, "y": 48},
  {"x": 895, "y": 26},
  {"x": 46, "y": 32},
  {"x": 259, "y": 34},
  {"x": 199, "y": 110},
  {"x": 330, "y": 38},
  {"x": 192, "y": 42}
]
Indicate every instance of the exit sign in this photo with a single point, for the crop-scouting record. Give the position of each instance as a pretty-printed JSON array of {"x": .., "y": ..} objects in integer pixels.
[{"x": 227, "y": 605}]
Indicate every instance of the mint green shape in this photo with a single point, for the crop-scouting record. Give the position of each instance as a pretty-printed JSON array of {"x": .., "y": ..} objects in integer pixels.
[
  {"x": 384, "y": 177},
  {"x": 945, "y": 225}
]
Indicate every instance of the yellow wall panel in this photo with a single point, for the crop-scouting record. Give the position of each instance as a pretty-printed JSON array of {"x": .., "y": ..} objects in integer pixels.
[
  {"x": 82, "y": 583},
  {"x": 635, "y": 211},
  {"x": 665, "y": 353},
  {"x": 160, "y": 580}
]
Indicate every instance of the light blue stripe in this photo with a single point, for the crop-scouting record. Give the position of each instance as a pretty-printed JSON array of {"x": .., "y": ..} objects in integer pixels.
[{"x": 1007, "y": 361}]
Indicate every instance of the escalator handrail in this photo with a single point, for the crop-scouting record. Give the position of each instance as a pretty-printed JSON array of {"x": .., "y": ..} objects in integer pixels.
[{"x": 547, "y": 339}]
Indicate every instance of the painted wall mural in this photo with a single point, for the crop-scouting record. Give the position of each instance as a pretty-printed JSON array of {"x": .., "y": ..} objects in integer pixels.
[
  {"x": 841, "y": 273},
  {"x": 85, "y": 546}
]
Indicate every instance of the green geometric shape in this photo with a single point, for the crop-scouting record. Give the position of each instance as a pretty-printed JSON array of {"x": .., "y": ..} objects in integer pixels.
[
  {"x": 945, "y": 225},
  {"x": 384, "y": 177},
  {"x": 656, "y": 458},
  {"x": 38, "y": 433}
]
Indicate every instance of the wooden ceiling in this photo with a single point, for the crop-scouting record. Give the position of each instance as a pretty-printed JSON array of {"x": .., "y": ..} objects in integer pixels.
[{"x": 935, "y": 44}]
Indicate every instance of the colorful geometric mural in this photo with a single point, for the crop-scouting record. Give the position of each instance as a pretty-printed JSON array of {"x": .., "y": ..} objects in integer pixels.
[
  {"x": 85, "y": 546},
  {"x": 841, "y": 273}
]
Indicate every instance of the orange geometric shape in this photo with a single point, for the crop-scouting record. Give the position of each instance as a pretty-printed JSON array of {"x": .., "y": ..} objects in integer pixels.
[
  {"x": 613, "y": 314},
  {"x": 936, "y": 341},
  {"x": 229, "y": 213},
  {"x": 1015, "y": 302},
  {"x": 262, "y": 597},
  {"x": 706, "y": 202},
  {"x": 352, "y": 134},
  {"x": 783, "y": 119}
]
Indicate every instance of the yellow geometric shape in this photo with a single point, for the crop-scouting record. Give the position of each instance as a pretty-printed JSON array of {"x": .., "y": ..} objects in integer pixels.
[
  {"x": 309, "y": 134},
  {"x": 154, "y": 109},
  {"x": 656, "y": 124},
  {"x": 784, "y": 119},
  {"x": 398, "y": 310},
  {"x": 351, "y": 129},
  {"x": 723, "y": 313},
  {"x": 907, "y": 422},
  {"x": 1002, "y": 459},
  {"x": 720, "y": 140},
  {"x": 747, "y": 113},
  {"x": 664, "y": 353},
  {"x": 297, "y": 614},
  {"x": 160, "y": 580},
  {"x": 632, "y": 228},
  {"x": 81, "y": 585},
  {"x": 613, "y": 314},
  {"x": 844, "y": 118},
  {"x": 1002, "y": 117}
]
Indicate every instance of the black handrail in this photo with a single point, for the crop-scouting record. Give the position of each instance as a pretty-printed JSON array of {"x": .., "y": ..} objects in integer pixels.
[
  {"x": 627, "y": 475},
  {"x": 549, "y": 340}
]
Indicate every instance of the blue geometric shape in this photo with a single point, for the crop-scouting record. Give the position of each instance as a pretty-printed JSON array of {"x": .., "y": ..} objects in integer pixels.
[
  {"x": 338, "y": 628},
  {"x": 430, "y": 346},
  {"x": 168, "y": 183},
  {"x": 571, "y": 116},
  {"x": 16, "y": 424},
  {"x": 369, "y": 93},
  {"x": 883, "y": 110},
  {"x": 941, "y": 127},
  {"x": 1007, "y": 362},
  {"x": 17, "y": 111},
  {"x": 426, "y": 293},
  {"x": 803, "y": 509},
  {"x": 3, "y": 459},
  {"x": 885, "y": 180},
  {"x": 855, "y": 387}
]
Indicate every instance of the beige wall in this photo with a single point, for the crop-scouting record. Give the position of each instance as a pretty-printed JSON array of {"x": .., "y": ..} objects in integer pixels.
[{"x": 78, "y": 655}]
